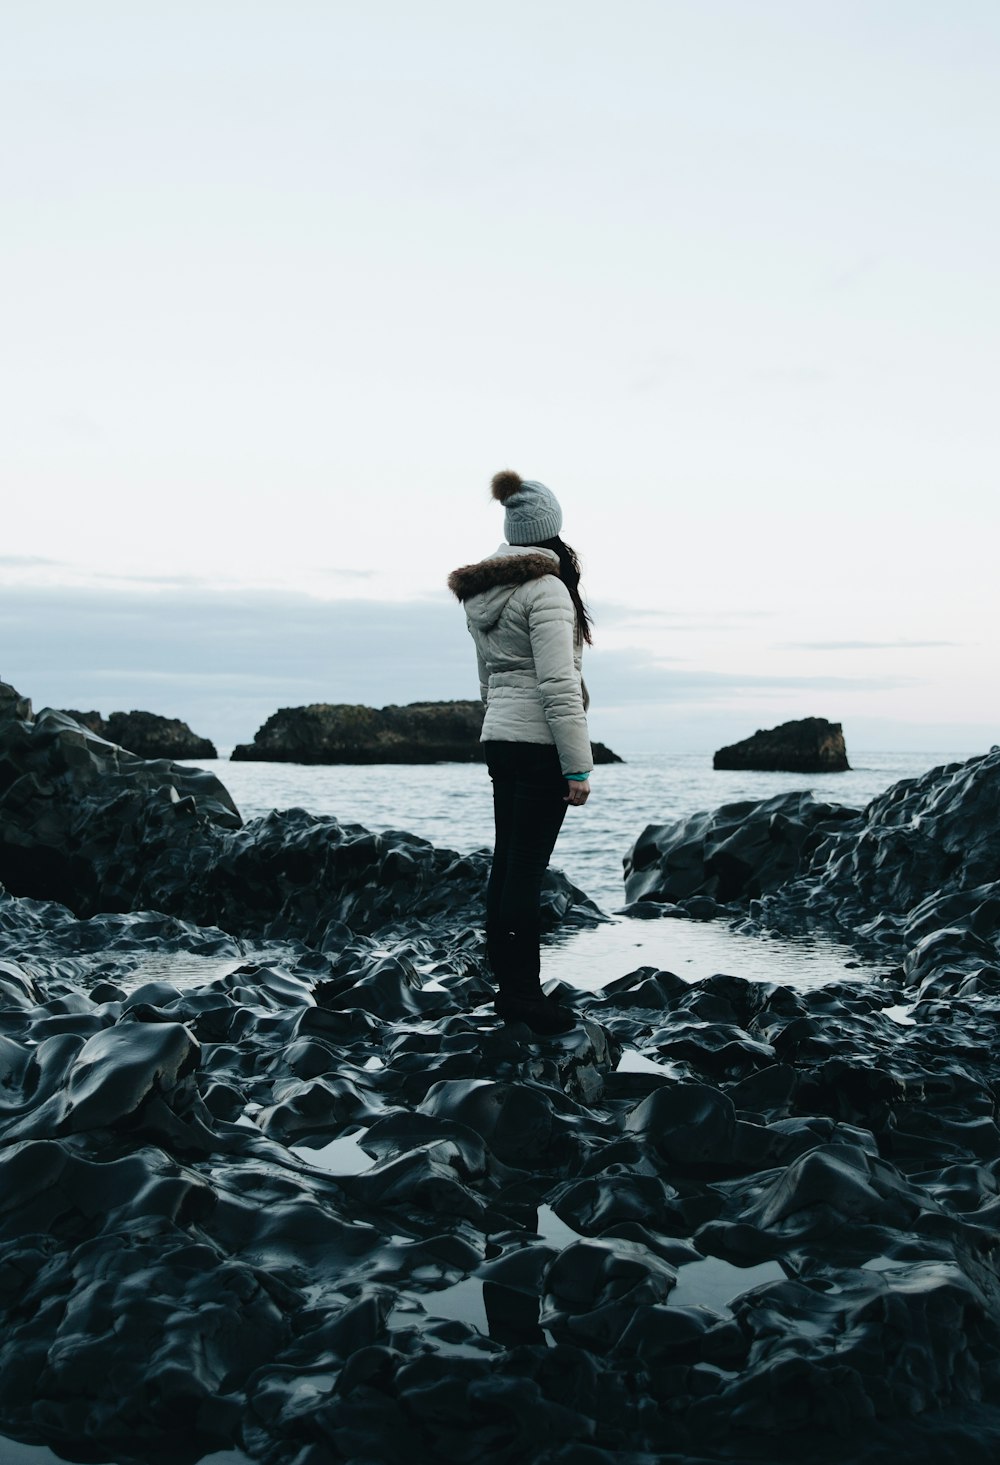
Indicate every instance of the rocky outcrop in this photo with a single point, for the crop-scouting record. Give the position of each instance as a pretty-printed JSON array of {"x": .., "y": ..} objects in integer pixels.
[
  {"x": 922, "y": 856},
  {"x": 421, "y": 732},
  {"x": 87, "y": 824},
  {"x": 272, "y": 1182},
  {"x": 811, "y": 745},
  {"x": 733, "y": 853},
  {"x": 146, "y": 734}
]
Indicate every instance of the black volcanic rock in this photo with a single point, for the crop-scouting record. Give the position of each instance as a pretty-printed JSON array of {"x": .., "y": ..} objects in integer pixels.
[
  {"x": 734, "y": 853},
  {"x": 146, "y": 734},
  {"x": 421, "y": 732},
  {"x": 12, "y": 705},
  {"x": 291, "y": 1188},
  {"x": 455, "y": 1239},
  {"x": 811, "y": 745},
  {"x": 84, "y": 821},
  {"x": 87, "y": 824},
  {"x": 923, "y": 856}
]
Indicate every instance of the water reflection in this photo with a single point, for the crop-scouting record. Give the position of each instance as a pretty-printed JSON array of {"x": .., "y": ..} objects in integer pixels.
[
  {"x": 13, "y": 1452},
  {"x": 182, "y": 969},
  {"x": 695, "y": 949},
  {"x": 340, "y": 1156},
  {"x": 716, "y": 1284}
]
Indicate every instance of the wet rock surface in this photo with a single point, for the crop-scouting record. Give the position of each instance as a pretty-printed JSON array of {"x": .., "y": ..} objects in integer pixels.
[
  {"x": 420, "y": 732},
  {"x": 325, "y": 1207},
  {"x": 923, "y": 858},
  {"x": 730, "y": 854},
  {"x": 146, "y": 734},
  {"x": 93, "y": 827},
  {"x": 810, "y": 745},
  {"x": 308, "y": 1197}
]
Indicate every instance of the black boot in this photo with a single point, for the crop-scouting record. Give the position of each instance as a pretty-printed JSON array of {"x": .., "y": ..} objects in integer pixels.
[{"x": 520, "y": 998}]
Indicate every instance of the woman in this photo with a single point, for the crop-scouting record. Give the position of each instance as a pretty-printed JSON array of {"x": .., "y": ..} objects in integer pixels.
[{"x": 529, "y": 623}]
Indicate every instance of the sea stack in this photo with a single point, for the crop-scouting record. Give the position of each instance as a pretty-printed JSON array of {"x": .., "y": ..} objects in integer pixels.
[
  {"x": 810, "y": 745},
  {"x": 146, "y": 734},
  {"x": 421, "y": 732}
]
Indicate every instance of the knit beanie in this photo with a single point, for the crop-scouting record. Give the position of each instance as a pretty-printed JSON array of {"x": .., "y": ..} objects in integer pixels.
[{"x": 532, "y": 511}]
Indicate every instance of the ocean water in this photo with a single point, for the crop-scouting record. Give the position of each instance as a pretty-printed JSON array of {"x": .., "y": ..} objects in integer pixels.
[{"x": 450, "y": 805}]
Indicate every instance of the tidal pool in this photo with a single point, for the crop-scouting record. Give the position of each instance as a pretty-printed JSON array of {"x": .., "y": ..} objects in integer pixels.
[{"x": 591, "y": 958}]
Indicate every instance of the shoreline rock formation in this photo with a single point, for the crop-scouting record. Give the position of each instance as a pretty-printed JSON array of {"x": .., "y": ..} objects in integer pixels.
[
  {"x": 277, "y": 1182},
  {"x": 146, "y": 734},
  {"x": 924, "y": 853},
  {"x": 87, "y": 824},
  {"x": 420, "y": 732},
  {"x": 810, "y": 745},
  {"x": 731, "y": 854}
]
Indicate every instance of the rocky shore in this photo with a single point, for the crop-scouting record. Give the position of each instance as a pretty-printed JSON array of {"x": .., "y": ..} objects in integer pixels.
[
  {"x": 420, "y": 732},
  {"x": 273, "y": 1176}
]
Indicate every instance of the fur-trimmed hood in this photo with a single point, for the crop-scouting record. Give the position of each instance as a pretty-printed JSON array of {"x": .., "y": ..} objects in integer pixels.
[
  {"x": 485, "y": 587},
  {"x": 509, "y": 565}
]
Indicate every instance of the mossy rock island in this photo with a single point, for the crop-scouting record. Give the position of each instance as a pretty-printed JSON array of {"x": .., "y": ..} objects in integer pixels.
[
  {"x": 420, "y": 732},
  {"x": 810, "y": 745}
]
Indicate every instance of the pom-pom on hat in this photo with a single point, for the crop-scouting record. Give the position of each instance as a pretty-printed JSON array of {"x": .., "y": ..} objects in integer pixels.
[{"x": 532, "y": 511}]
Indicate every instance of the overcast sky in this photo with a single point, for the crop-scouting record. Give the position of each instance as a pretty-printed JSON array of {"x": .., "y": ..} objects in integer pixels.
[{"x": 284, "y": 284}]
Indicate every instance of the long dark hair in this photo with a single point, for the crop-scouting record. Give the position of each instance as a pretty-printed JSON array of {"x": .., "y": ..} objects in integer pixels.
[{"x": 569, "y": 571}]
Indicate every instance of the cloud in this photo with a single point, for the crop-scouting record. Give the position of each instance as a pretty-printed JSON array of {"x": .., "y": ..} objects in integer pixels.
[
  {"x": 849, "y": 274},
  {"x": 224, "y": 660},
  {"x": 794, "y": 375},
  {"x": 616, "y": 616},
  {"x": 636, "y": 677},
  {"x": 23, "y": 561},
  {"x": 198, "y": 632},
  {"x": 899, "y": 645},
  {"x": 655, "y": 372},
  {"x": 151, "y": 582}
]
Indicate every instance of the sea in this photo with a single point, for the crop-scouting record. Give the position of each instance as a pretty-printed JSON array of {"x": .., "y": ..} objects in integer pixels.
[{"x": 450, "y": 805}]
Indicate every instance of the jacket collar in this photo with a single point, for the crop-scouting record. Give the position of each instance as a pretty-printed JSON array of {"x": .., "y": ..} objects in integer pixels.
[{"x": 511, "y": 564}]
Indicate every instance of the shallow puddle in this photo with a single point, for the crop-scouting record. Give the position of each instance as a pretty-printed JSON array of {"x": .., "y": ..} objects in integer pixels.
[
  {"x": 463, "y": 1302},
  {"x": 632, "y": 1061},
  {"x": 551, "y": 1229},
  {"x": 714, "y": 1283},
  {"x": 12, "y": 1452},
  {"x": 591, "y": 958},
  {"x": 342, "y": 1156},
  {"x": 710, "y": 1283},
  {"x": 182, "y": 969}
]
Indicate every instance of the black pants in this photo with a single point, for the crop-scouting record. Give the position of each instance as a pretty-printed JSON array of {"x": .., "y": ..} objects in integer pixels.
[{"x": 529, "y": 805}]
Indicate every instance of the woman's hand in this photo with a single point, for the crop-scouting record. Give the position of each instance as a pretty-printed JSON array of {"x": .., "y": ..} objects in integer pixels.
[{"x": 577, "y": 791}]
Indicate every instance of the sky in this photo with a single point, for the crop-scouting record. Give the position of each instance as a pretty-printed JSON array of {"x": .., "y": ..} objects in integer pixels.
[{"x": 284, "y": 284}]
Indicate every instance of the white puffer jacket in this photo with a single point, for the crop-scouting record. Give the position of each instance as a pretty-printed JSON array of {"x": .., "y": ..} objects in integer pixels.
[{"x": 522, "y": 620}]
